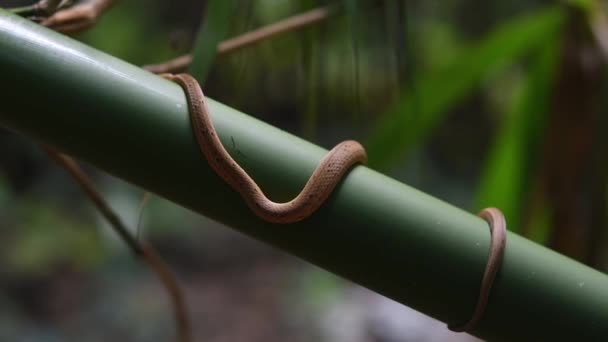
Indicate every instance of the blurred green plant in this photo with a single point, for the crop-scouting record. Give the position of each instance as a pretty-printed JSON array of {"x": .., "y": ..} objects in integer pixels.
[
  {"x": 416, "y": 112},
  {"x": 46, "y": 236},
  {"x": 214, "y": 29},
  {"x": 511, "y": 159},
  {"x": 144, "y": 41}
]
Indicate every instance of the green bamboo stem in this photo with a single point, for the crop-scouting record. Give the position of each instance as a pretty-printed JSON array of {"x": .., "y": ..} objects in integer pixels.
[{"x": 374, "y": 230}]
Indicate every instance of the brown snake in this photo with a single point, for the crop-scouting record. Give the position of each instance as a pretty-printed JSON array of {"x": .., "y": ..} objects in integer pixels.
[
  {"x": 498, "y": 231},
  {"x": 319, "y": 186}
]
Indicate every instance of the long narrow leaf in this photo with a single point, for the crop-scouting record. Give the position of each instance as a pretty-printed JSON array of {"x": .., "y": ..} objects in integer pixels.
[
  {"x": 213, "y": 30},
  {"x": 401, "y": 128},
  {"x": 507, "y": 174}
]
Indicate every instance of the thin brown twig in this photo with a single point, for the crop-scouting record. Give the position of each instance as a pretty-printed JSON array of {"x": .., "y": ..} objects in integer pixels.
[
  {"x": 143, "y": 251},
  {"x": 176, "y": 65},
  {"x": 79, "y": 17},
  {"x": 180, "y": 312},
  {"x": 293, "y": 23},
  {"x": 140, "y": 213},
  {"x": 40, "y": 8}
]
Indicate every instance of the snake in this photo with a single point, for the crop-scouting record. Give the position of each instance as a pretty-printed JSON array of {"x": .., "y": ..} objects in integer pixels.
[
  {"x": 498, "y": 232},
  {"x": 329, "y": 172},
  {"x": 317, "y": 189}
]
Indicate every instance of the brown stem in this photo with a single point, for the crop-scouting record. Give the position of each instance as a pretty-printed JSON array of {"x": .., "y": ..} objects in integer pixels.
[
  {"x": 293, "y": 23},
  {"x": 176, "y": 65},
  {"x": 143, "y": 251},
  {"x": 40, "y": 8},
  {"x": 156, "y": 263},
  {"x": 79, "y": 17}
]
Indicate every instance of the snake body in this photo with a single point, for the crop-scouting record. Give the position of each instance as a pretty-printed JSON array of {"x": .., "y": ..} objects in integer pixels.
[
  {"x": 498, "y": 231},
  {"x": 319, "y": 186}
]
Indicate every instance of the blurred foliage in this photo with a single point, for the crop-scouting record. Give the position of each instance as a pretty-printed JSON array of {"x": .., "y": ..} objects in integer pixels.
[
  {"x": 419, "y": 110},
  {"x": 132, "y": 32},
  {"x": 515, "y": 150},
  {"x": 5, "y": 193},
  {"x": 45, "y": 236},
  {"x": 214, "y": 29}
]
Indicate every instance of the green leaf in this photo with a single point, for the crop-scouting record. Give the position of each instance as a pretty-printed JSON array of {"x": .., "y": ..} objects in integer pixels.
[
  {"x": 507, "y": 173},
  {"x": 406, "y": 124},
  {"x": 213, "y": 30},
  {"x": 584, "y": 5}
]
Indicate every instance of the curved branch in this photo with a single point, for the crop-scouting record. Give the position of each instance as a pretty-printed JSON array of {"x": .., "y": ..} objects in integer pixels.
[
  {"x": 290, "y": 24},
  {"x": 144, "y": 252}
]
